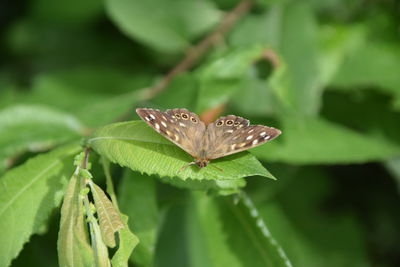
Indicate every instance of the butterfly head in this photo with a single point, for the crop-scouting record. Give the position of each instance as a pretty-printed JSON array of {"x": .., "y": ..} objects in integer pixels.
[{"x": 202, "y": 162}]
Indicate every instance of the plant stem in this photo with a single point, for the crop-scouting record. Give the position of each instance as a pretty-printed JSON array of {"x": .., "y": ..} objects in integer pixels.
[{"x": 109, "y": 183}]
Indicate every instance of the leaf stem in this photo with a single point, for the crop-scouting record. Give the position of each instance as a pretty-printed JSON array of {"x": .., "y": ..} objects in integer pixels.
[
  {"x": 109, "y": 183},
  {"x": 91, "y": 219}
]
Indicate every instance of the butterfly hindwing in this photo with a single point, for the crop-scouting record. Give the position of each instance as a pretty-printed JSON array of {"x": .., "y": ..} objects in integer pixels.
[
  {"x": 232, "y": 134},
  {"x": 180, "y": 126}
]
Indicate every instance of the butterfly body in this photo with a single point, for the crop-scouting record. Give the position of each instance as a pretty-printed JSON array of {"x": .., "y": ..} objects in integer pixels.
[{"x": 227, "y": 135}]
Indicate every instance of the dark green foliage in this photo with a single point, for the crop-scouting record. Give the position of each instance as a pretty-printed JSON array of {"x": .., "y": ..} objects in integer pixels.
[{"x": 327, "y": 73}]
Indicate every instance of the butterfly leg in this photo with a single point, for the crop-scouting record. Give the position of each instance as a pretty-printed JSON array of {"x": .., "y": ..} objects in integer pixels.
[{"x": 185, "y": 166}]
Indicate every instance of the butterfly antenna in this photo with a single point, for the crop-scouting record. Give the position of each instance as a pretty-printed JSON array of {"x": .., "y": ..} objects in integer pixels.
[{"x": 185, "y": 166}]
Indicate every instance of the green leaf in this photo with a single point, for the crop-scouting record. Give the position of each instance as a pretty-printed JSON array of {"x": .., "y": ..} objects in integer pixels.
[
  {"x": 28, "y": 127},
  {"x": 369, "y": 112},
  {"x": 221, "y": 187},
  {"x": 66, "y": 13},
  {"x": 73, "y": 245},
  {"x": 127, "y": 242},
  {"x": 300, "y": 53},
  {"x": 312, "y": 236},
  {"x": 137, "y": 146},
  {"x": 258, "y": 100},
  {"x": 108, "y": 110},
  {"x": 358, "y": 72},
  {"x": 181, "y": 92},
  {"x": 223, "y": 76},
  {"x": 96, "y": 105},
  {"x": 172, "y": 25},
  {"x": 393, "y": 166},
  {"x": 229, "y": 232},
  {"x": 138, "y": 200},
  {"x": 306, "y": 140},
  {"x": 172, "y": 245},
  {"x": 300, "y": 84},
  {"x": 98, "y": 245},
  {"x": 337, "y": 42},
  {"x": 28, "y": 193},
  {"x": 110, "y": 220}
]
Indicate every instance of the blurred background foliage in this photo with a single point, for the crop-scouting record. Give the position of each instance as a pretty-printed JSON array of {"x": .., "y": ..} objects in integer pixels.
[{"x": 327, "y": 73}]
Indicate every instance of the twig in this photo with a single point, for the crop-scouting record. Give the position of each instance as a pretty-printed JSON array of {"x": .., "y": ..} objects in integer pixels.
[{"x": 203, "y": 46}]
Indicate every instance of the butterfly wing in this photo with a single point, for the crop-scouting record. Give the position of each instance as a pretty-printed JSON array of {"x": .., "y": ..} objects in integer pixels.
[
  {"x": 232, "y": 134},
  {"x": 180, "y": 126}
]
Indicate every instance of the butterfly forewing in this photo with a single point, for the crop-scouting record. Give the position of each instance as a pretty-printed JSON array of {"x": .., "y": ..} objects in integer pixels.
[
  {"x": 182, "y": 127},
  {"x": 232, "y": 134}
]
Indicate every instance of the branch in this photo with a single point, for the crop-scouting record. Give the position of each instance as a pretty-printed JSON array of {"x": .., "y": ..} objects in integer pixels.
[{"x": 203, "y": 46}]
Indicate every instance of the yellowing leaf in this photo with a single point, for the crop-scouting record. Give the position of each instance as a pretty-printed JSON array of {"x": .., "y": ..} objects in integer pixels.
[
  {"x": 110, "y": 220},
  {"x": 73, "y": 246}
]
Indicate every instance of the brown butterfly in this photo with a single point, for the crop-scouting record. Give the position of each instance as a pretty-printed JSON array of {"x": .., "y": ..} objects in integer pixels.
[{"x": 227, "y": 135}]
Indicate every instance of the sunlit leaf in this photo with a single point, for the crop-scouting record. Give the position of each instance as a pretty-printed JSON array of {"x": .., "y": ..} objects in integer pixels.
[
  {"x": 127, "y": 242},
  {"x": 32, "y": 127},
  {"x": 28, "y": 193},
  {"x": 136, "y": 145}
]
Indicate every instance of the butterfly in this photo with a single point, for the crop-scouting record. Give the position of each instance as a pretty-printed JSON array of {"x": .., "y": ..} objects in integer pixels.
[{"x": 227, "y": 135}]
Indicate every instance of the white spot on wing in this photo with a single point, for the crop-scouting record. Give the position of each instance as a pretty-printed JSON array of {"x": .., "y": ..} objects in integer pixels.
[
  {"x": 157, "y": 126},
  {"x": 255, "y": 142},
  {"x": 249, "y": 137},
  {"x": 267, "y": 137},
  {"x": 147, "y": 118},
  {"x": 164, "y": 124},
  {"x": 182, "y": 124},
  {"x": 152, "y": 116},
  {"x": 250, "y": 131},
  {"x": 230, "y": 131},
  {"x": 233, "y": 146},
  {"x": 263, "y": 133}
]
